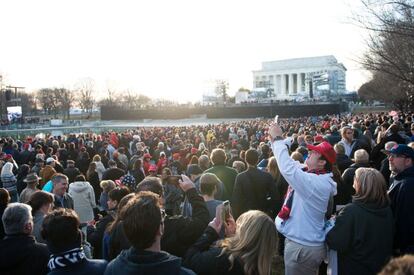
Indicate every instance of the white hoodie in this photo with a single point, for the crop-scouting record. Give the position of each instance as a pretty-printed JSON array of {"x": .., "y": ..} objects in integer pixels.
[{"x": 306, "y": 222}]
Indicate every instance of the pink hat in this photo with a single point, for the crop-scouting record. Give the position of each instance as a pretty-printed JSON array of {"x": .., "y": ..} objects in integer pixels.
[{"x": 152, "y": 168}]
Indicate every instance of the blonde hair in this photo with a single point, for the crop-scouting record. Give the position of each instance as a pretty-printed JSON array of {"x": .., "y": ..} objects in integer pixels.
[
  {"x": 107, "y": 185},
  {"x": 339, "y": 149},
  {"x": 96, "y": 158},
  {"x": 254, "y": 243},
  {"x": 273, "y": 168},
  {"x": 361, "y": 156},
  {"x": 370, "y": 187},
  {"x": 297, "y": 156}
]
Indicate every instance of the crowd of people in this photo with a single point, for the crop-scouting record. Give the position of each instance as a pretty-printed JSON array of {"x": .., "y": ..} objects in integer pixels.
[{"x": 217, "y": 199}]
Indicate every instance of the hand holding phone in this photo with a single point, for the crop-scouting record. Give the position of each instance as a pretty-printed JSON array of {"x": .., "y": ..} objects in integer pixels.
[{"x": 276, "y": 119}]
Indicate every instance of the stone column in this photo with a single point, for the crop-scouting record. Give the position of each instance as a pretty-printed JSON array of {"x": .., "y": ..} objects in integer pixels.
[
  {"x": 291, "y": 84},
  {"x": 299, "y": 83},
  {"x": 282, "y": 84}
]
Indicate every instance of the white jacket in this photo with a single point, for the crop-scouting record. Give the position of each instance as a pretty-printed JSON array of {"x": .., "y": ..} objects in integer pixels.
[
  {"x": 83, "y": 199},
  {"x": 306, "y": 222}
]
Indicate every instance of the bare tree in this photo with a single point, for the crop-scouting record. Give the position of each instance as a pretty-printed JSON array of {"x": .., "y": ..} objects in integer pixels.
[
  {"x": 85, "y": 88},
  {"x": 390, "y": 54},
  {"x": 48, "y": 101},
  {"x": 66, "y": 99}
]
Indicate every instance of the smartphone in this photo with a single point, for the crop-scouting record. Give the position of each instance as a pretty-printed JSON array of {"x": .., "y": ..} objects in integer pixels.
[
  {"x": 276, "y": 119},
  {"x": 226, "y": 211},
  {"x": 174, "y": 180}
]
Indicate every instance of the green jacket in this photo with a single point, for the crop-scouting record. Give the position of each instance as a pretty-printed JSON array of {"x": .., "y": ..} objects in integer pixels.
[{"x": 227, "y": 176}]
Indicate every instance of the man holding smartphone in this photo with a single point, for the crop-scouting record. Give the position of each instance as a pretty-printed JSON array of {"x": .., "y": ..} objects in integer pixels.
[{"x": 302, "y": 217}]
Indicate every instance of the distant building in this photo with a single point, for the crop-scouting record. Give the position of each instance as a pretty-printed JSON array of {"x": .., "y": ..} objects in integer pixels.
[{"x": 306, "y": 77}]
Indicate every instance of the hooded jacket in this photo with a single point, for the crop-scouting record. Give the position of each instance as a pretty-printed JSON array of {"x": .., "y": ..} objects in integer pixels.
[
  {"x": 21, "y": 254},
  {"x": 83, "y": 200},
  {"x": 133, "y": 261},
  {"x": 401, "y": 193},
  {"x": 362, "y": 236},
  {"x": 312, "y": 194}
]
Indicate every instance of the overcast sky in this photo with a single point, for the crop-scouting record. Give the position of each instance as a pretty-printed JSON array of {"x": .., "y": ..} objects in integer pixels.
[{"x": 169, "y": 49}]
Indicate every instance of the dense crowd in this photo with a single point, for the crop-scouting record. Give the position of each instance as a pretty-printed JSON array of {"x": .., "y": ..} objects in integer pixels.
[{"x": 218, "y": 199}]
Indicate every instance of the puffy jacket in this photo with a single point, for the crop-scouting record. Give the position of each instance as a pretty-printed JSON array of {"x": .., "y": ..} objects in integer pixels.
[{"x": 83, "y": 200}]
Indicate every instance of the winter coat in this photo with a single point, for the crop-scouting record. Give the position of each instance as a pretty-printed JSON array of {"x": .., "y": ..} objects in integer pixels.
[
  {"x": 204, "y": 259},
  {"x": 134, "y": 261},
  {"x": 38, "y": 218},
  {"x": 343, "y": 162},
  {"x": 95, "y": 234},
  {"x": 401, "y": 193},
  {"x": 21, "y": 254},
  {"x": 255, "y": 190},
  {"x": 85, "y": 267},
  {"x": 100, "y": 169},
  {"x": 227, "y": 176},
  {"x": 362, "y": 236},
  {"x": 83, "y": 200},
  {"x": 71, "y": 172},
  {"x": 113, "y": 173},
  {"x": 66, "y": 201}
]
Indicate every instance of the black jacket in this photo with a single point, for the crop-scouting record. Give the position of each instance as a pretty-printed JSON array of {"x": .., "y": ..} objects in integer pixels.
[
  {"x": 21, "y": 254},
  {"x": 401, "y": 194},
  {"x": 71, "y": 172},
  {"x": 204, "y": 259},
  {"x": 133, "y": 261},
  {"x": 346, "y": 189},
  {"x": 179, "y": 232},
  {"x": 255, "y": 190},
  {"x": 343, "y": 162},
  {"x": 113, "y": 173},
  {"x": 362, "y": 236},
  {"x": 85, "y": 267},
  {"x": 95, "y": 235}
]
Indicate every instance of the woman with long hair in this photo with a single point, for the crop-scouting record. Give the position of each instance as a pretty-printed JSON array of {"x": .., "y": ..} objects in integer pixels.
[
  {"x": 93, "y": 178},
  {"x": 100, "y": 168},
  {"x": 42, "y": 204},
  {"x": 24, "y": 170},
  {"x": 363, "y": 230},
  {"x": 9, "y": 181},
  {"x": 249, "y": 246}
]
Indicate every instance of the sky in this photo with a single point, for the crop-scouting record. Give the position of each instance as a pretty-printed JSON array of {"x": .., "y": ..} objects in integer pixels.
[{"x": 169, "y": 49}]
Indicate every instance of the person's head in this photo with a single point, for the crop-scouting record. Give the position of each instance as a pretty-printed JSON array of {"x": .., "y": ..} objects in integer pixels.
[
  {"x": 80, "y": 177},
  {"x": 204, "y": 162},
  {"x": 347, "y": 133},
  {"x": 361, "y": 156},
  {"x": 218, "y": 157},
  {"x": 239, "y": 166},
  {"x": 165, "y": 173},
  {"x": 151, "y": 184},
  {"x": 50, "y": 161},
  {"x": 32, "y": 179},
  {"x": 111, "y": 163},
  {"x": 70, "y": 163},
  {"x": 194, "y": 171},
  {"x": 339, "y": 149},
  {"x": 96, "y": 158},
  {"x": 107, "y": 185},
  {"x": 61, "y": 230},
  {"x": 143, "y": 220},
  {"x": 255, "y": 242},
  {"x": 399, "y": 266},
  {"x": 18, "y": 219},
  {"x": 272, "y": 168},
  {"x": 4, "y": 197},
  {"x": 60, "y": 184},
  {"x": 115, "y": 196},
  {"x": 209, "y": 184},
  {"x": 7, "y": 169},
  {"x": 297, "y": 156},
  {"x": 252, "y": 157},
  {"x": 41, "y": 201},
  {"x": 92, "y": 167},
  {"x": 400, "y": 158},
  {"x": 321, "y": 157},
  {"x": 370, "y": 186}
]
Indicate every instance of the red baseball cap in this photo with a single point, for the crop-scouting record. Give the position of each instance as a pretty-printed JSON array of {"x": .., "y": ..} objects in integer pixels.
[
  {"x": 326, "y": 150},
  {"x": 318, "y": 139}
]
